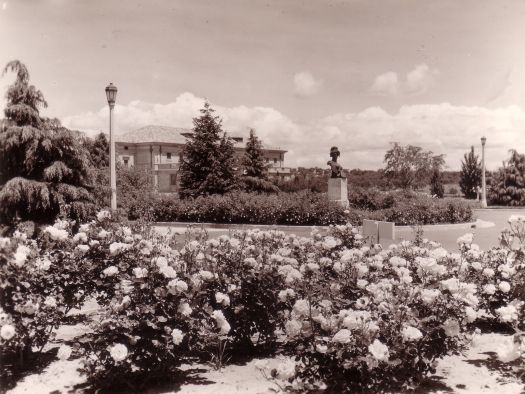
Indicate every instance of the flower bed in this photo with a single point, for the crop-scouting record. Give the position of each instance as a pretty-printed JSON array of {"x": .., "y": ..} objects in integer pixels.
[{"x": 349, "y": 317}]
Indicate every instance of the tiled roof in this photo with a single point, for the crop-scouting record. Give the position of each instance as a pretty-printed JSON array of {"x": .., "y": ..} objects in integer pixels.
[
  {"x": 168, "y": 135},
  {"x": 151, "y": 134}
]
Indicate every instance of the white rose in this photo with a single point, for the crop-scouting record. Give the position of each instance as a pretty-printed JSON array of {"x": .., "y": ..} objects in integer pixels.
[
  {"x": 411, "y": 333},
  {"x": 488, "y": 272},
  {"x": 302, "y": 307},
  {"x": 504, "y": 286},
  {"x": 451, "y": 327},
  {"x": 222, "y": 298},
  {"x": 177, "y": 336},
  {"x": 50, "y": 302},
  {"x": 292, "y": 328},
  {"x": 471, "y": 314},
  {"x": 489, "y": 289},
  {"x": 140, "y": 272},
  {"x": 7, "y": 332},
  {"x": 428, "y": 296},
  {"x": 20, "y": 256},
  {"x": 184, "y": 309},
  {"x": 118, "y": 352},
  {"x": 110, "y": 271},
  {"x": 206, "y": 275},
  {"x": 379, "y": 350},
  {"x": 168, "y": 271},
  {"x": 342, "y": 336}
]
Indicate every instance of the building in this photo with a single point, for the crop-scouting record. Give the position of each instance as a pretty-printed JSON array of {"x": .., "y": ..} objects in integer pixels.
[{"x": 157, "y": 149}]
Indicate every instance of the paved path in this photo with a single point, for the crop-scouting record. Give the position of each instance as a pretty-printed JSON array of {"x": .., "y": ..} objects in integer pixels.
[{"x": 489, "y": 224}]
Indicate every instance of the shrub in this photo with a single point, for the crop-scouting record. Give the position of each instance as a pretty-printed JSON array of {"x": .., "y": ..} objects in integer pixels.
[
  {"x": 298, "y": 208},
  {"x": 354, "y": 318}
]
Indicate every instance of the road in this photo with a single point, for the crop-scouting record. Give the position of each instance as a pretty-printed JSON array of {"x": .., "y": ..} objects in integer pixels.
[{"x": 489, "y": 224}]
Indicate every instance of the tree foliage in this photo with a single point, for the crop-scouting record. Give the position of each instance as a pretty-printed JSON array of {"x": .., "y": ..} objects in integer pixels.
[
  {"x": 98, "y": 150},
  {"x": 410, "y": 167},
  {"x": 470, "y": 175},
  {"x": 436, "y": 184},
  {"x": 44, "y": 167},
  {"x": 508, "y": 184},
  {"x": 207, "y": 161},
  {"x": 255, "y": 169},
  {"x": 253, "y": 159}
]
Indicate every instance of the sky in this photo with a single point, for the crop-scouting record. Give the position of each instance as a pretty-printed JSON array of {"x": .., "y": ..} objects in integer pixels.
[{"x": 306, "y": 75}]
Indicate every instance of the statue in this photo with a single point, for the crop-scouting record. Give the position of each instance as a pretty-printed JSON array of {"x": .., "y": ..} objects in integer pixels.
[{"x": 337, "y": 169}]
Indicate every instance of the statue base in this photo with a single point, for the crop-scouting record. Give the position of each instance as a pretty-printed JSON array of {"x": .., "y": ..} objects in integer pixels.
[{"x": 338, "y": 191}]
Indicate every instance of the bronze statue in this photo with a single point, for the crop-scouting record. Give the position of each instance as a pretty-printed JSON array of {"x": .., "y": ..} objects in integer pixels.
[{"x": 337, "y": 169}]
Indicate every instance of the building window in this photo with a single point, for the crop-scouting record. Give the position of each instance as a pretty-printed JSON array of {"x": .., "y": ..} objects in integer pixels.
[
  {"x": 125, "y": 148},
  {"x": 275, "y": 160},
  {"x": 173, "y": 179},
  {"x": 126, "y": 161},
  {"x": 168, "y": 155}
]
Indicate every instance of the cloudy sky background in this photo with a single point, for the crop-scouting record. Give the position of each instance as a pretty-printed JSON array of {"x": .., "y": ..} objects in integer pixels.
[{"x": 305, "y": 74}]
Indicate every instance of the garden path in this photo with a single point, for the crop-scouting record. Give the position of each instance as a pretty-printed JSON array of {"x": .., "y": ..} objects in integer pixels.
[
  {"x": 487, "y": 228},
  {"x": 476, "y": 371}
]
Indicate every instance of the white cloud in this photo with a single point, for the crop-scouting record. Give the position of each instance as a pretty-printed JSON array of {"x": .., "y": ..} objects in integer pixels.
[
  {"x": 386, "y": 84},
  {"x": 420, "y": 79},
  {"x": 305, "y": 84},
  {"x": 417, "y": 81},
  {"x": 362, "y": 137}
]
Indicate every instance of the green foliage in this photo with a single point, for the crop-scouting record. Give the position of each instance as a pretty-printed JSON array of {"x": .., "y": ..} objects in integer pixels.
[
  {"x": 436, "y": 184},
  {"x": 508, "y": 184},
  {"x": 253, "y": 160},
  {"x": 207, "y": 162},
  {"x": 306, "y": 179},
  {"x": 44, "y": 167},
  {"x": 298, "y": 208},
  {"x": 470, "y": 175},
  {"x": 407, "y": 207},
  {"x": 255, "y": 177},
  {"x": 98, "y": 150},
  {"x": 410, "y": 167}
]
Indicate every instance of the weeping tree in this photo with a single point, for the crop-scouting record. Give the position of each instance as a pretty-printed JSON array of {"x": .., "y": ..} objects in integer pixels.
[
  {"x": 44, "y": 167},
  {"x": 508, "y": 184},
  {"x": 207, "y": 161},
  {"x": 470, "y": 175},
  {"x": 255, "y": 170}
]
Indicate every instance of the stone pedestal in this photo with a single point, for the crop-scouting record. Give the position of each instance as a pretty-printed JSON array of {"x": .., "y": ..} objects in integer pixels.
[{"x": 338, "y": 191}]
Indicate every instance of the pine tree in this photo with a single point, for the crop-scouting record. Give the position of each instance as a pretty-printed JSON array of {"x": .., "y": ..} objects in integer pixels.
[
  {"x": 255, "y": 177},
  {"x": 44, "y": 168},
  {"x": 253, "y": 159},
  {"x": 470, "y": 175},
  {"x": 207, "y": 163},
  {"x": 436, "y": 184},
  {"x": 508, "y": 184}
]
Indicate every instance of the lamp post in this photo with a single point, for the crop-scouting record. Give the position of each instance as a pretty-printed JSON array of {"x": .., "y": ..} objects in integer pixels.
[
  {"x": 483, "y": 180},
  {"x": 111, "y": 95}
]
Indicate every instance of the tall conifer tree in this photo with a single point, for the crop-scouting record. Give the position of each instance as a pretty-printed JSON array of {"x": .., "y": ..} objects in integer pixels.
[
  {"x": 253, "y": 159},
  {"x": 207, "y": 159},
  {"x": 44, "y": 167},
  {"x": 470, "y": 175}
]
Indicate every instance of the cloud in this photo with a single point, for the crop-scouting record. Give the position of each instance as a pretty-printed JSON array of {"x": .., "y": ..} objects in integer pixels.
[
  {"x": 362, "y": 137},
  {"x": 419, "y": 79},
  {"x": 305, "y": 85},
  {"x": 416, "y": 81},
  {"x": 386, "y": 84}
]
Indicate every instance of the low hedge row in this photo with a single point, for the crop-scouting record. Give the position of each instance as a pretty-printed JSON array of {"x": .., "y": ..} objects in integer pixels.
[{"x": 302, "y": 208}]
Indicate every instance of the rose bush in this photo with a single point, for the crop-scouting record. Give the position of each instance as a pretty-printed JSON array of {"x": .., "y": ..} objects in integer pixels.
[{"x": 348, "y": 317}]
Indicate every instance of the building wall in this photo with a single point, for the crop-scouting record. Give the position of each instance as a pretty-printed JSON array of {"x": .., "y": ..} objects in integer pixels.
[{"x": 155, "y": 157}]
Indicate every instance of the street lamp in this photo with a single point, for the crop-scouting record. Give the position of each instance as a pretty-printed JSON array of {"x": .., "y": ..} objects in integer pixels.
[
  {"x": 111, "y": 95},
  {"x": 483, "y": 180}
]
